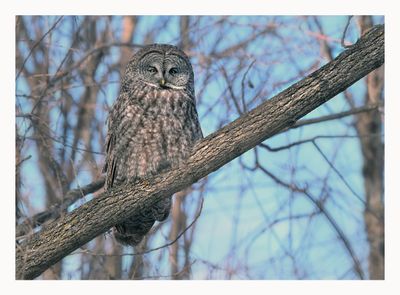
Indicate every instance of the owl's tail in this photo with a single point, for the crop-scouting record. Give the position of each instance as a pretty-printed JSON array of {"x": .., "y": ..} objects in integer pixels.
[
  {"x": 132, "y": 231},
  {"x": 129, "y": 235}
]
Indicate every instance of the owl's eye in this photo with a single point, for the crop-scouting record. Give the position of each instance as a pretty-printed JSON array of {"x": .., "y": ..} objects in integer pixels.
[
  {"x": 173, "y": 71},
  {"x": 151, "y": 69}
]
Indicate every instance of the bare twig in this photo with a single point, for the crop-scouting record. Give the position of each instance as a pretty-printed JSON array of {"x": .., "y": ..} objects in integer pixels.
[
  {"x": 344, "y": 33},
  {"x": 338, "y": 173},
  {"x": 244, "y": 105},
  {"x": 36, "y": 44},
  {"x": 366, "y": 108},
  {"x": 329, "y": 217}
]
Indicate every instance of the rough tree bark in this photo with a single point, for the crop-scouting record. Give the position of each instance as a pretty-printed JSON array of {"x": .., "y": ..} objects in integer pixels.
[
  {"x": 369, "y": 127},
  {"x": 61, "y": 237}
]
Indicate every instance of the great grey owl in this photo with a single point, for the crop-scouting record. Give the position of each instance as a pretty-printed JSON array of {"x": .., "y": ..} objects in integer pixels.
[{"x": 152, "y": 127}]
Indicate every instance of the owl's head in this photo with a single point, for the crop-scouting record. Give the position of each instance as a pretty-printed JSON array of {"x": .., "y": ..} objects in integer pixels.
[{"x": 162, "y": 66}]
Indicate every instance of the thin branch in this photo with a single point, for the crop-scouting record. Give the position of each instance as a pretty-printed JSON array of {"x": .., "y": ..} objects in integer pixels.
[
  {"x": 36, "y": 44},
  {"x": 65, "y": 144},
  {"x": 95, "y": 50},
  {"x": 244, "y": 105},
  {"x": 328, "y": 216},
  {"x": 313, "y": 140},
  {"x": 338, "y": 173},
  {"x": 366, "y": 108},
  {"x": 231, "y": 91},
  {"x": 23, "y": 160},
  {"x": 290, "y": 145},
  {"x": 344, "y": 32}
]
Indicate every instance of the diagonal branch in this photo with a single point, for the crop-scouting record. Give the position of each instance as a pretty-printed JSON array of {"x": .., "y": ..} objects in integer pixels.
[
  {"x": 353, "y": 111},
  {"x": 61, "y": 237},
  {"x": 59, "y": 208}
]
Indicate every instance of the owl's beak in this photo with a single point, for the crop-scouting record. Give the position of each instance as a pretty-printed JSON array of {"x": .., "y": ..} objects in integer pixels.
[{"x": 162, "y": 82}]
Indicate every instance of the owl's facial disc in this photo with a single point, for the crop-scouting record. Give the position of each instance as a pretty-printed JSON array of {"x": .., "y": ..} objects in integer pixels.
[{"x": 164, "y": 70}]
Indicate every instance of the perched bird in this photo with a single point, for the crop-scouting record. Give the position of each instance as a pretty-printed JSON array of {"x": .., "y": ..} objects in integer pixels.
[{"x": 152, "y": 126}]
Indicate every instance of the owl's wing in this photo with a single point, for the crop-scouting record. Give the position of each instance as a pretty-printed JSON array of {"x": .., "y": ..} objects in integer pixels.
[
  {"x": 110, "y": 163},
  {"x": 197, "y": 132},
  {"x": 123, "y": 119}
]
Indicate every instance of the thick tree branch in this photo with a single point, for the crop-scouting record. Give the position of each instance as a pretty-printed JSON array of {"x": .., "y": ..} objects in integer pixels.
[
  {"x": 74, "y": 230},
  {"x": 59, "y": 208}
]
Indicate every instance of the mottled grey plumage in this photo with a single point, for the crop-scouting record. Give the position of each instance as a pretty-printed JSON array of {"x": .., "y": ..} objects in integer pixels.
[{"x": 152, "y": 126}]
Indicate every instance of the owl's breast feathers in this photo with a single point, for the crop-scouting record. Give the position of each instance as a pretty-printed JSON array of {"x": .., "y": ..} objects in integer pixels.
[
  {"x": 150, "y": 130},
  {"x": 151, "y": 127}
]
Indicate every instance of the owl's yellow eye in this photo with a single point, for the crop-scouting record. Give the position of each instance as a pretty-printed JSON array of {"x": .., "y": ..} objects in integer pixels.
[{"x": 151, "y": 69}]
